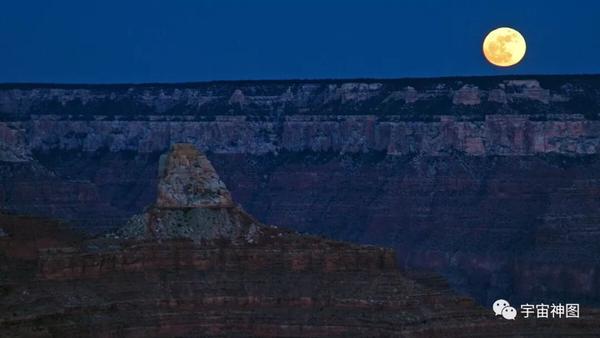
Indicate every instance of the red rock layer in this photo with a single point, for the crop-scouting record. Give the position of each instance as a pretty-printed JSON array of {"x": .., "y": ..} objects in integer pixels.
[{"x": 284, "y": 285}]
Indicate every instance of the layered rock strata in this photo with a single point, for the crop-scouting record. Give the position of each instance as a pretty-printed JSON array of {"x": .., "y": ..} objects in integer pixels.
[
  {"x": 223, "y": 279},
  {"x": 490, "y": 181}
]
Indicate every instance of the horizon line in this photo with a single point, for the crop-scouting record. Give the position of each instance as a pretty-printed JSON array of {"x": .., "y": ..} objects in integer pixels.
[{"x": 290, "y": 80}]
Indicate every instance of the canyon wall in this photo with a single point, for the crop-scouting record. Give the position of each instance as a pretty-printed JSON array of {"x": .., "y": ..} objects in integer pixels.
[
  {"x": 280, "y": 285},
  {"x": 490, "y": 181},
  {"x": 195, "y": 264}
]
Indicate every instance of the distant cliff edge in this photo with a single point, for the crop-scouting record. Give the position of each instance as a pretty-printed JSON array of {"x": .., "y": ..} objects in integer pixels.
[{"x": 477, "y": 116}]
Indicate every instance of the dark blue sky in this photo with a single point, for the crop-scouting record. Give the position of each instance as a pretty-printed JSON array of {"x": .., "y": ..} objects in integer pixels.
[{"x": 194, "y": 40}]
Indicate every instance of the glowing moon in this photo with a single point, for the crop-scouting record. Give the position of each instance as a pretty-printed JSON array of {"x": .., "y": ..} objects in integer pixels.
[{"x": 504, "y": 47}]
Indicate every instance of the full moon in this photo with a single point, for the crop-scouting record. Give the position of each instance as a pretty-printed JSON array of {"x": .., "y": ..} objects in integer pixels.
[{"x": 504, "y": 47}]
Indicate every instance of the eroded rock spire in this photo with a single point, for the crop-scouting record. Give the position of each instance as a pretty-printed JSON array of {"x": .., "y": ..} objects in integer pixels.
[
  {"x": 187, "y": 179},
  {"x": 192, "y": 202}
]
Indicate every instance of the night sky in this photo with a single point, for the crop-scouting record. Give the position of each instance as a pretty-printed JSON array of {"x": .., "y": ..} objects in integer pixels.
[{"x": 175, "y": 41}]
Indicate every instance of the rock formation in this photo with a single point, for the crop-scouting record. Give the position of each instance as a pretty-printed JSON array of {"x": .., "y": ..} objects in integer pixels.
[
  {"x": 188, "y": 180},
  {"x": 490, "y": 181},
  {"x": 207, "y": 283},
  {"x": 192, "y": 202}
]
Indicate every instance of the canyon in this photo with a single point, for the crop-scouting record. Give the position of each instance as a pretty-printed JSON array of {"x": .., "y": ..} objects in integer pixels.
[
  {"x": 491, "y": 182},
  {"x": 195, "y": 264}
]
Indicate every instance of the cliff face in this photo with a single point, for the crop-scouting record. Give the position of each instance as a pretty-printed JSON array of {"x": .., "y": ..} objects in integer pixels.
[
  {"x": 490, "y": 181},
  {"x": 503, "y": 117},
  {"x": 281, "y": 285},
  {"x": 158, "y": 278},
  {"x": 186, "y": 268}
]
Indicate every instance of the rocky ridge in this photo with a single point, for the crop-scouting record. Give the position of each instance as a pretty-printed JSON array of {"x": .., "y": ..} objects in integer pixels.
[
  {"x": 475, "y": 116},
  {"x": 162, "y": 282}
]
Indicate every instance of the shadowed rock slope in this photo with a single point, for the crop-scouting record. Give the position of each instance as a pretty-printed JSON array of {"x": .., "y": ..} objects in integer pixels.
[{"x": 196, "y": 265}]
